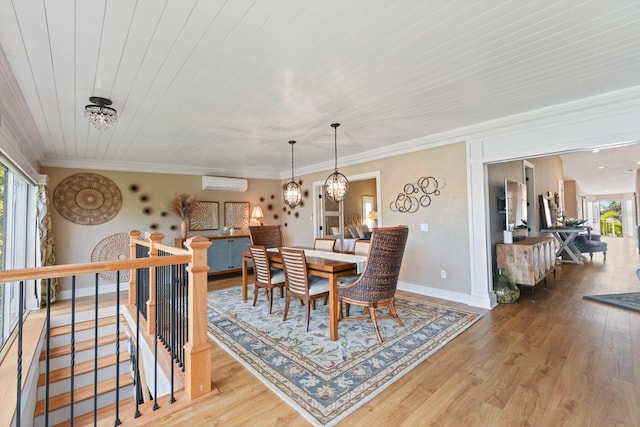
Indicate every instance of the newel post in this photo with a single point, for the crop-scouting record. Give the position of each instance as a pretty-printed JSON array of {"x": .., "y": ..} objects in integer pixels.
[
  {"x": 133, "y": 235},
  {"x": 155, "y": 238},
  {"x": 197, "y": 350}
]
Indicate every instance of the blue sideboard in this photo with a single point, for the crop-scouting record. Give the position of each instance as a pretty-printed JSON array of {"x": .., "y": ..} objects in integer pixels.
[{"x": 225, "y": 253}]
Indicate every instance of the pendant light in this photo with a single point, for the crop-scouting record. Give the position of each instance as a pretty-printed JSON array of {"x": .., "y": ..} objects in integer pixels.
[
  {"x": 337, "y": 185},
  {"x": 292, "y": 193},
  {"x": 101, "y": 116}
]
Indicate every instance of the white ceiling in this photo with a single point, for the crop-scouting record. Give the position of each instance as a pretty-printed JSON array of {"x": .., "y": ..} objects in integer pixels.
[{"x": 221, "y": 86}]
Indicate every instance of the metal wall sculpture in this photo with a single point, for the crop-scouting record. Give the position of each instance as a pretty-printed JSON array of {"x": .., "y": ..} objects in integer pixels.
[{"x": 416, "y": 195}]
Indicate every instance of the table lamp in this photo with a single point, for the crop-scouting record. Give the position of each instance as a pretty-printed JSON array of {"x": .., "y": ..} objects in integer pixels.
[{"x": 257, "y": 214}]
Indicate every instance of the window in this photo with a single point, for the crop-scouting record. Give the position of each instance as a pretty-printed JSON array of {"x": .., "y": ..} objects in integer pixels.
[{"x": 17, "y": 242}]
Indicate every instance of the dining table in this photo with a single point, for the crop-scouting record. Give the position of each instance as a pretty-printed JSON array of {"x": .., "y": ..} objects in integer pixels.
[{"x": 330, "y": 265}]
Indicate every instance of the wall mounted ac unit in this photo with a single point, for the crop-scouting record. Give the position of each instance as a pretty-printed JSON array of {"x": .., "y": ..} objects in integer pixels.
[{"x": 222, "y": 183}]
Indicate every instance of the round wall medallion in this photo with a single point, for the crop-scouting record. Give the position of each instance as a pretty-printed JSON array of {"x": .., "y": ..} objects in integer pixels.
[
  {"x": 87, "y": 199},
  {"x": 112, "y": 248}
]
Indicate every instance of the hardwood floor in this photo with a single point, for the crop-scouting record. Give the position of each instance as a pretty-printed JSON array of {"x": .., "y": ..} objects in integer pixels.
[{"x": 558, "y": 361}]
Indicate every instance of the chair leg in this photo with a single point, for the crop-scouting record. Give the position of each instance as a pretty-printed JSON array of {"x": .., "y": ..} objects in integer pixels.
[
  {"x": 255, "y": 293},
  {"x": 348, "y": 309},
  {"x": 394, "y": 313},
  {"x": 372, "y": 314},
  {"x": 286, "y": 308},
  {"x": 270, "y": 296},
  {"x": 308, "y": 313}
]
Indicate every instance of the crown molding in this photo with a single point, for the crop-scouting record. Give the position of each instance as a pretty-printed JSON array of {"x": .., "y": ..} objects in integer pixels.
[
  {"x": 586, "y": 109},
  {"x": 155, "y": 168}
]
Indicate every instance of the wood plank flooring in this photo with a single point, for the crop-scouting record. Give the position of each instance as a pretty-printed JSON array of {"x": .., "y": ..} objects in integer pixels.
[{"x": 558, "y": 361}]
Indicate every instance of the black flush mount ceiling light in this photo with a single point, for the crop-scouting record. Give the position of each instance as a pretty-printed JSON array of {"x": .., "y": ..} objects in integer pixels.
[
  {"x": 337, "y": 185},
  {"x": 101, "y": 116},
  {"x": 292, "y": 193}
]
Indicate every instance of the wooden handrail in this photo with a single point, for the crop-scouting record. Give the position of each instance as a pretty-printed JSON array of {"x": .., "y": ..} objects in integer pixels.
[{"x": 52, "y": 271}]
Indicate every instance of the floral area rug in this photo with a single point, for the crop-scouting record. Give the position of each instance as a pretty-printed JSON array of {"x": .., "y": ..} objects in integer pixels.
[{"x": 327, "y": 380}]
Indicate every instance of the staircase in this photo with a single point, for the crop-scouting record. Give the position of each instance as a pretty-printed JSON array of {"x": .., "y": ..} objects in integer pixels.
[{"x": 85, "y": 385}]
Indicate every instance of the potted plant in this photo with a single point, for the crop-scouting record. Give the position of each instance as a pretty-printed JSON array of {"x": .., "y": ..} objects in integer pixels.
[{"x": 181, "y": 205}]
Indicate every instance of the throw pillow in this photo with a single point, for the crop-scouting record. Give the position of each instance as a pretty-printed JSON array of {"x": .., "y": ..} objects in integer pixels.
[{"x": 361, "y": 229}]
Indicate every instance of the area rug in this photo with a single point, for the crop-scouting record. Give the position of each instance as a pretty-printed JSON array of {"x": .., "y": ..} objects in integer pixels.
[
  {"x": 629, "y": 301},
  {"x": 326, "y": 380}
]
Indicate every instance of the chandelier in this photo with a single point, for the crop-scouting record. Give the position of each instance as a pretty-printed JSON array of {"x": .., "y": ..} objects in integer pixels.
[
  {"x": 337, "y": 185},
  {"x": 292, "y": 193},
  {"x": 101, "y": 116}
]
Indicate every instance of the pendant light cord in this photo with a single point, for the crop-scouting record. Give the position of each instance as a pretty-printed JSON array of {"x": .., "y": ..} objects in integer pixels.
[
  {"x": 292, "y": 142},
  {"x": 335, "y": 143}
]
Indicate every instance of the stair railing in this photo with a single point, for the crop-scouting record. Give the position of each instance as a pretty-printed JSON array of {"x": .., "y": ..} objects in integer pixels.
[{"x": 177, "y": 285}]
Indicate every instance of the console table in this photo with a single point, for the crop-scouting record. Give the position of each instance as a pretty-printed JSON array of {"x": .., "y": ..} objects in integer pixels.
[
  {"x": 528, "y": 261},
  {"x": 565, "y": 235}
]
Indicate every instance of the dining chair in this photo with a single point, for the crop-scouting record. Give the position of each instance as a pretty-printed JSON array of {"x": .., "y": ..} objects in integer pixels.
[
  {"x": 324, "y": 244},
  {"x": 265, "y": 277},
  {"x": 298, "y": 283},
  {"x": 376, "y": 286},
  {"x": 361, "y": 247},
  {"x": 269, "y": 236}
]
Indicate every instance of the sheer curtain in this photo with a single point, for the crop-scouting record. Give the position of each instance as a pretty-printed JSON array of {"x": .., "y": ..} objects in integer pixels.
[{"x": 47, "y": 248}]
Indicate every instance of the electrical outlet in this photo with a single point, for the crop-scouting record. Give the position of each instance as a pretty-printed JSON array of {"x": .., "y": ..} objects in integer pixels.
[
  {"x": 424, "y": 227},
  {"x": 443, "y": 274}
]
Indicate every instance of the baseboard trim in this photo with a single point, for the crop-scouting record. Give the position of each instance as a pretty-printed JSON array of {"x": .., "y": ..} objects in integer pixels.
[{"x": 434, "y": 292}]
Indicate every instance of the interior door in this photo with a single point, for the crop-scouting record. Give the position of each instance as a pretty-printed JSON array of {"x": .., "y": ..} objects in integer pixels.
[{"x": 330, "y": 213}]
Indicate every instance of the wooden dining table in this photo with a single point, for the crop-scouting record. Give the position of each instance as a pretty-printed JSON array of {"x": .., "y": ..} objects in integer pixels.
[{"x": 317, "y": 266}]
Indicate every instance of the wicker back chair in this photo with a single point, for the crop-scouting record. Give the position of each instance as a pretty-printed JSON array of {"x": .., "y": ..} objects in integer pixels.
[
  {"x": 264, "y": 276},
  {"x": 299, "y": 284},
  {"x": 376, "y": 286},
  {"x": 324, "y": 244},
  {"x": 269, "y": 236}
]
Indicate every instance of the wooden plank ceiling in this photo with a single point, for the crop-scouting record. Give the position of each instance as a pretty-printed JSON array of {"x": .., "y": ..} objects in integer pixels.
[{"x": 221, "y": 86}]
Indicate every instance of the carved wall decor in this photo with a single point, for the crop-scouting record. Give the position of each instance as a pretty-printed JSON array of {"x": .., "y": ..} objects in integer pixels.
[
  {"x": 204, "y": 216},
  {"x": 87, "y": 199},
  {"x": 416, "y": 195},
  {"x": 236, "y": 214},
  {"x": 112, "y": 248}
]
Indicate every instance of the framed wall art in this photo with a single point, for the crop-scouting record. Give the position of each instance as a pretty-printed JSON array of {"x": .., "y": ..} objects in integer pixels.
[
  {"x": 236, "y": 214},
  {"x": 204, "y": 216}
]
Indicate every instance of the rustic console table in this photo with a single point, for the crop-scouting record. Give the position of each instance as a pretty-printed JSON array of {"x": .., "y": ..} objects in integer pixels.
[{"x": 528, "y": 261}]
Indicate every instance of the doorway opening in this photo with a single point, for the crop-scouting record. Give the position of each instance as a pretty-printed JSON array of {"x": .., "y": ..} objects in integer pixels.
[{"x": 610, "y": 213}]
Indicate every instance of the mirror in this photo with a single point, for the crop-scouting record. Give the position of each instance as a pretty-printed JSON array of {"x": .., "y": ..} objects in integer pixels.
[
  {"x": 515, "y": 194},
  {"x": 545, "y": 212}
]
